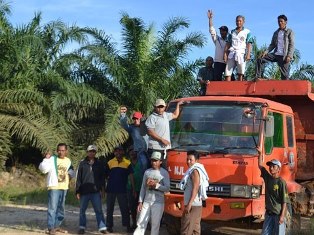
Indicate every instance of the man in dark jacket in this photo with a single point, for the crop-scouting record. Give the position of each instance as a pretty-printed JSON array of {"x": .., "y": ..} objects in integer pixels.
[
  {"x": 89, "y": 187},
  {"x": 282, "y": 45}
]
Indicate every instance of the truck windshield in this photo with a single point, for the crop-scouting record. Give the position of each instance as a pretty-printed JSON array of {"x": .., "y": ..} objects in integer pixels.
[{"x": 216, "y": 127}]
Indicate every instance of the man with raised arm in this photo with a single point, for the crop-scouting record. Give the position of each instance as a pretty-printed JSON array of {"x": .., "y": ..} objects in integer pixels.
[
  {"x": 276, "y": 197},
  {"x": 158, "y": 128},
  {"x": 59, "y": 171},
  {"x": 220, "y": 43}
]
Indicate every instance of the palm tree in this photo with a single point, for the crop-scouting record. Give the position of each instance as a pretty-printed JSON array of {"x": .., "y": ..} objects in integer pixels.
[
  {"x": 148, "y": 65},
  {"x": 39, "y": 104},
  {"x": 26, "y": 115},
  {"x": 304, "y": 72}
]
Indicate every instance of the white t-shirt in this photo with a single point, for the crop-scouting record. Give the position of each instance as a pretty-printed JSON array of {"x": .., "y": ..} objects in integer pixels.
[
  {"x": 280, "y": 43},
  {"x": 219, "y": 45},
  {"x": 160, "y": 124}
]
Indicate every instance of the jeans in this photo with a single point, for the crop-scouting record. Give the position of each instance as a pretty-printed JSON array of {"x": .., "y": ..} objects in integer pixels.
[
  {"x": 271, "y": 225},
  {"x": 95, "y": 199},
  {"x": 124, "y": 208},
  {"x": 56, "y": 201},
  {"x": 142, "y": 157}
]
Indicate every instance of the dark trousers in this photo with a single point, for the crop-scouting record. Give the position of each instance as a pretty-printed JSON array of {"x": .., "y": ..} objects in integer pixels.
[
  {"x": 133, "y": 203},
  {"x": 271, "y": 57},
  {"x": 219, "y": 69},
  {"x": 123, "y": 205}
]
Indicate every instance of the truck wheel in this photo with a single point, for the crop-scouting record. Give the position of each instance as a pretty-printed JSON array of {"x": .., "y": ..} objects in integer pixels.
[
  {"x": 293, "y": 221},
  {"x": 173, "y": 224}
]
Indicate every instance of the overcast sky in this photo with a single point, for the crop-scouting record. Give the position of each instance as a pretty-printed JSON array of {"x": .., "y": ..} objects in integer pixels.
[{"x": 261, "y": 17}]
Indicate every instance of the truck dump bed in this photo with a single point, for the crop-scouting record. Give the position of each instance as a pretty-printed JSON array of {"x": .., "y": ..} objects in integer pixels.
[{"x": 299, "y": 95}]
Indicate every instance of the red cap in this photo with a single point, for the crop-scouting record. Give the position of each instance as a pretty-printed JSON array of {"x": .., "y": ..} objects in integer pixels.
[{"x": 137, "y": 115}]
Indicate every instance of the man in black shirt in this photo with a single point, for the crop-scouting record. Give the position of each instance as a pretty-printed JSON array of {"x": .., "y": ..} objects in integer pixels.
[
  {"x": 276, "y": 198},
  {"x": 206, "y": 74},
  {"x": 89, "y": 187}
]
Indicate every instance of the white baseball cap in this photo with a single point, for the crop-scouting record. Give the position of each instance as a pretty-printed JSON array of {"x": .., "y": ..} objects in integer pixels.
[
  {"x": 160, "y": 102},
  {"x": 274, "y": 162},
  {"x": 156, "y": 156},
  {"x": 92, "y": 148}
]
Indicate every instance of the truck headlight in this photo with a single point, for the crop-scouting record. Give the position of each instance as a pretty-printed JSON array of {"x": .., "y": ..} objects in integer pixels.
[
  {"x": 245, "y": 191},
  {"x": 256, "y": 191},
  {"x": 239, "y": 191}
]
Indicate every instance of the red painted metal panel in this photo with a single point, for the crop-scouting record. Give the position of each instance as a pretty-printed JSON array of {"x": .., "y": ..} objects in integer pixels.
[{"x": 259, "y": 88}]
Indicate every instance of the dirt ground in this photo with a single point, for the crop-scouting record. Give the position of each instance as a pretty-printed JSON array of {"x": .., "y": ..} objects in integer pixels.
[
  {"x": 16, "y": 219},
  {"x": 31, "y": 220}
]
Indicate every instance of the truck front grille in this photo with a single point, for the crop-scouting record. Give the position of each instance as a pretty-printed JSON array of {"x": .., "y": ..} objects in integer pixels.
[{"x": 221, "y": 190}]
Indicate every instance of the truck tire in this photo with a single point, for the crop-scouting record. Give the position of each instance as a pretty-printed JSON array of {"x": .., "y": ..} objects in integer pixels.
[
  {"x": 173, "y": 224},
  {"x": 293, "y": 221}
]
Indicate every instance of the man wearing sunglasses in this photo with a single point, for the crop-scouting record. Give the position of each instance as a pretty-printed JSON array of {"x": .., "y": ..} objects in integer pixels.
[{"x": 158, "y": 128}]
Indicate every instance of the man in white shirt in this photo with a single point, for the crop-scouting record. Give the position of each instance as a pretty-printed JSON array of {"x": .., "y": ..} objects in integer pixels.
[
  {"x": 158, "y": 128},
  {"x": 220, "y": 43},
  {"x": 238, "y": 49},
  {"x": 282, "y": 45}
]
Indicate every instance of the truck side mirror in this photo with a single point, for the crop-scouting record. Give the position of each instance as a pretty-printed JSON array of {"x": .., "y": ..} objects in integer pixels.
[{"x": 269, "y": 126}]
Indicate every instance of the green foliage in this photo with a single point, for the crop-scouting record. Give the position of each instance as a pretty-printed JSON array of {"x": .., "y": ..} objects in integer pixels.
[
  {"x": 300, "y": 72},
  {"x": 149, "y": 66}
]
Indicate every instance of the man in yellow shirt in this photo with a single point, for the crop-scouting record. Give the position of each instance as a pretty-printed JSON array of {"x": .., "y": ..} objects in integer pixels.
[{"x": 59, "y": 170}]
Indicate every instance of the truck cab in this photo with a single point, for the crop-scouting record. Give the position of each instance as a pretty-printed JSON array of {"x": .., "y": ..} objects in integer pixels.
[{"x": 226, "y": 127}]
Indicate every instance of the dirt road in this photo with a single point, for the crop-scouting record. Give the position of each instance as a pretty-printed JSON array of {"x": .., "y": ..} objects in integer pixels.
[{"x": 31, "y": 220}]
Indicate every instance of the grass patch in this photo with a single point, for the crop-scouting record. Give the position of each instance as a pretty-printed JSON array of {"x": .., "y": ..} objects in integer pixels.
[
  {"x": 17, "y": 195},
  {"x": 27, "y": 187}
]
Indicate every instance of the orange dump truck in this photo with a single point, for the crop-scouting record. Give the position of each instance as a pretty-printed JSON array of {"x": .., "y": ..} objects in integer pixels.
[{"x": 225, "y": 127}]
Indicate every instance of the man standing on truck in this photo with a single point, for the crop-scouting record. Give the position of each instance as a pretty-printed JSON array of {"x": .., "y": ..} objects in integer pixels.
[
  {"x": 238, "y": 49},
  {"x": 194, "y": 184},
  {"x": 276, "y": 198},
  {"x": 158, "y": 128},
  {"x": 206, "y": 74},
  {"x": 283, "y": 45},
  {"x": 220, "y": 43}
]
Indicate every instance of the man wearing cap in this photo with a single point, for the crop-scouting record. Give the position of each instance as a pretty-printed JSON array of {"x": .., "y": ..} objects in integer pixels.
[
  {"x": 220, "y": 43},
  {"x": 158, "y": 127},
  {"x": 276, "y": 198},
  {"x": 206, "y": 74},
  {"x": 282, "y": 45},
  {"x": 151, "y": 200},
  {"x": 118, "y": 171},
  {"x": 139, "y": 141},
  {"x": 90, "y": 182}
]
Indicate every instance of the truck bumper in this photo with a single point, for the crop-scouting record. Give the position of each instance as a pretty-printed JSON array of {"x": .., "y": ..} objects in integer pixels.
[{"x": 219, "y": 208}]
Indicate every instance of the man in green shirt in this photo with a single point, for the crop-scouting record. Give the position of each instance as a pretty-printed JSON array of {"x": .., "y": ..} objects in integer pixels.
[
  {"x": 138, "y": 177},
  {"x": 276, "y": 198}
]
